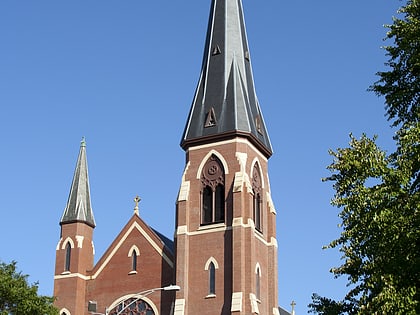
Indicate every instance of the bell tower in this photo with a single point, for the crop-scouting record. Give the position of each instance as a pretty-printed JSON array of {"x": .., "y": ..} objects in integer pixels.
[
  {"x": 226, "y": 248},
  {"x": 75, "y": 251}
]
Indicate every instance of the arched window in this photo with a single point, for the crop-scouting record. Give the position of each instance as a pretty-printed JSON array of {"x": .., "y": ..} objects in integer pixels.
[
  {"x": 212, "y": 279},
  {"x": 134, "y": 261},
  {"x": 257, "y": 201},
  {"x": 258, "y": 283},
  {"x": 213, "y": 192},
  {"x": 68, "y": 257}
]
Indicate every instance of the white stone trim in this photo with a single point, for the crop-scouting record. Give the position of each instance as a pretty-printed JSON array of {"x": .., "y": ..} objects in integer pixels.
[
  {"x": 122, "y": 240},
  {"x": 135, "y": 295},
  {"x": 254, "y": 303},
  {"x": 237, "y": 222},
  {"x": 211, "y": 260},
  {"x": 270, "y": 203},
  {"x": 66, "y": 275},
  {"x": 242, "y": 176},
  {"x": 258, "y": 269},
  {"x": 182, "y": 229},
  {"x": 236, "y": 302},
  {"x": 79, "y": 239},
  {"x": 65, "y": 311},
  {"x": 184, "y": 190},
  {"x": 58, "y": 244},
  {"x": 133, "y": 248},
  {"x": 236, "y": 140},
  {"x": 276, "y": 311},
  {"x": 257, "y": 161},
  {"x": 205, "y": 159},
  {"x": 67, "y": 240},
  {"x": 179, "y": 307}
]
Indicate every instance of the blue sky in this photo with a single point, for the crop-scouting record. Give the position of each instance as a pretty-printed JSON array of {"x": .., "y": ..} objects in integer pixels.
[{"x": 123, "y": 74}]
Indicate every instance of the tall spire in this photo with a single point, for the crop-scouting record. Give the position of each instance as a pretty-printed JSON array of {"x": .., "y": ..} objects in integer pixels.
[
  {"x": 225, "y": 103},
  {"x": 78, "y": 208}
]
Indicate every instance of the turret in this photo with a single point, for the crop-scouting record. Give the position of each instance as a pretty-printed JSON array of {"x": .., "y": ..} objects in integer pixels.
[{"x": 75, "y": 250}]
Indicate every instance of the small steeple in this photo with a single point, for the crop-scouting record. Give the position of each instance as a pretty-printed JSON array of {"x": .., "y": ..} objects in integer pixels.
[
  {"x": 225, "y": 103},
  {"x": 78, "y": 208}
]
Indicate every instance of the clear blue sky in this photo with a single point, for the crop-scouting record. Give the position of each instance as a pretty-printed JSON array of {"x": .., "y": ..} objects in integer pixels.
[{"x": 123, "y": 74}]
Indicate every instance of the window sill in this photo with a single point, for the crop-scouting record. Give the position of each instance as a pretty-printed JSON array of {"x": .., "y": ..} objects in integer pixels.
[
  {"x": 66, "y": 273},
  {"x": 212, "y": 226},
  {"x": 132, "y": 272},
  {"x": 210, "y": 296}
]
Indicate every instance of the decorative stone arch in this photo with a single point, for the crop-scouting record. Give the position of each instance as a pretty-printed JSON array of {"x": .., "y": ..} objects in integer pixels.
[
  {"x": 67, "y": 240},
  {"x": 135, "y": 249},
  {"x": 213, "y": 191},
  {"x": 64, "y": 311},
  {"x": 256, "y": 161},
  {"x": 134, "y": 253},
  {"x": 207, "y": 157},
  {"x": 130, "y": 296},
  {"x": 211, "y": 260},
  {"x": 211, "y": 266}
]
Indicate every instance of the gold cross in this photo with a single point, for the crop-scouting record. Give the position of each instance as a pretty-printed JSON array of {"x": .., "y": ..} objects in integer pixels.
[{"x": 293, "y": 304}]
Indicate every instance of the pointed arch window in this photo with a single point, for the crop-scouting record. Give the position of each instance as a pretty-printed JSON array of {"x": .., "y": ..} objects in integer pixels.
[
  {"x": 258, "y": 283},
  {"x": 257, "y": 200},
  {"x": 68, "y": 257},
  {"x": 134, "y": 254},
  {"x": 134, "y": 261},
  {"x": 211, "y": 267},
  {"x": 212, "y": 278},
  {"x": 213, "y": 192}
]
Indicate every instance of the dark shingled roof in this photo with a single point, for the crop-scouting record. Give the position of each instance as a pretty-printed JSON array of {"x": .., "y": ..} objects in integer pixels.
[
  {"x": 225, "y": 103},
  {"x": 282, "y": 311},
  {"x": 78, "y": 208}
]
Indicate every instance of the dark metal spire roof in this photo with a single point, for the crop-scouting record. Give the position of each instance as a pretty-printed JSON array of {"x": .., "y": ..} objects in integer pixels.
[
  {"x": 225, "y": 102},
  {"x": 78, "y": 208}
]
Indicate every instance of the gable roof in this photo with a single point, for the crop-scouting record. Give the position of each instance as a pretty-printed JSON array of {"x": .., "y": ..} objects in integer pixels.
[{"x": 161, "y": 247}]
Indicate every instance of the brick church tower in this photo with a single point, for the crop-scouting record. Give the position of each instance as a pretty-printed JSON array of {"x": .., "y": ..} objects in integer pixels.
[
  {"x": 226, "y": 248},
  {"x": 75, "y": 250},
  {"x": 224, "y": 255}
]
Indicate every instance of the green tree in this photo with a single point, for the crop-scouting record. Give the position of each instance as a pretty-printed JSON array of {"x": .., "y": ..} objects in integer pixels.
[
  {"x": 19, "y": 297},
  {"x": 379, "y": 193}
]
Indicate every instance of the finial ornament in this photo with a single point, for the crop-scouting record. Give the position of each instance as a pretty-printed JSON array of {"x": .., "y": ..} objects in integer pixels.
[
  {"x": 137, "y": 199},
  {"x": 293, "y": 304},
  {"x": 83, "y": 142}
]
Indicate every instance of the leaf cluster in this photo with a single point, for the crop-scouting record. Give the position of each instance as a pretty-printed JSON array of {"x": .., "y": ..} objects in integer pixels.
[
  {"x": 17, "y": 296},
  {"x": 401, "y": 84}
]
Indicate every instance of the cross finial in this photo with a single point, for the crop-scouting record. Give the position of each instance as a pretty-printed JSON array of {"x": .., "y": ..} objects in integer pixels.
[
  {"x": 293, "y": 304},
  {"x": 137, "y": 199}
]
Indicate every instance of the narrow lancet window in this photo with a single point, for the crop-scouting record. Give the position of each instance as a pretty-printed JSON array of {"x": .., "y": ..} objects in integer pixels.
[
  {"x": 134, "y": 261},
  {"x": 68, "y": 257},
  {"x": 257, "y": 201},
  {"x": 258, "y": 284},
  {"x": 213, "y": 192},
  {"x": 212, "y": 279}
]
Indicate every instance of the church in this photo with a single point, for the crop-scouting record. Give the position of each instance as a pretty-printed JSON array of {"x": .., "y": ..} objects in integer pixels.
[{"x": 223, "y": 255}]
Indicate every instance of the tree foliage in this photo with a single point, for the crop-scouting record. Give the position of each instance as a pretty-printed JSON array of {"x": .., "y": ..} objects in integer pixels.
[
  {"x": 379, "y": 193},
  {"x": 401, "y": 84},
  {"x": 19, "y": 297}
]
